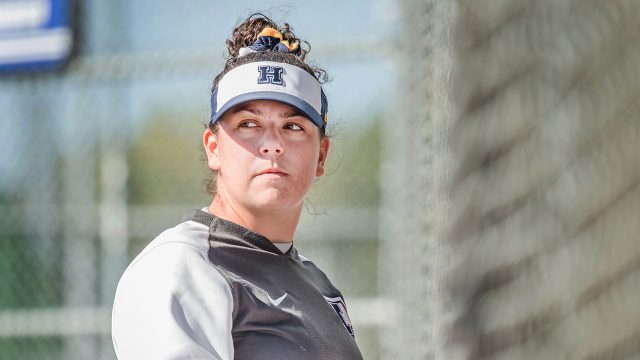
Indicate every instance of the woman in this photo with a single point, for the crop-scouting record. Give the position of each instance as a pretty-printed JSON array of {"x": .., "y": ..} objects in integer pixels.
[{"x": 227, "y": 283}]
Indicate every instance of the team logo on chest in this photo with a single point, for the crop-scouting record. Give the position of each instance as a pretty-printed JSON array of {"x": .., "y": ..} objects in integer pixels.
[
  {"x": 337, "y": 303},
  {"x": 270, "y": 75}
]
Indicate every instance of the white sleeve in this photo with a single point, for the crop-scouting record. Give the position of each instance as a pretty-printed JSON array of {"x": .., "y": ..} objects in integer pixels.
[{"x": 172, "y": 303}]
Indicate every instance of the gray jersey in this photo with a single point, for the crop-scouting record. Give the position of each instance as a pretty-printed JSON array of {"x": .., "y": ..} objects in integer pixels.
[{"x": 231, "y": 294}]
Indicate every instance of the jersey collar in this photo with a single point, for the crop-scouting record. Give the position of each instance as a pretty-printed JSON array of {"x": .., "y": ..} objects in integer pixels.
[{"x": 233, "y": 234}]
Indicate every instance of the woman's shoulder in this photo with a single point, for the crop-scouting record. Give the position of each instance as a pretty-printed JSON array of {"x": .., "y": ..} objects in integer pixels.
[
  {"x": 188, "y": 239},
  {"x": 177, "y": 253},
  {"x": 175, "y": 262},
  {"x": 168, "y": 290},
  {"x": 313, "y": 268}
]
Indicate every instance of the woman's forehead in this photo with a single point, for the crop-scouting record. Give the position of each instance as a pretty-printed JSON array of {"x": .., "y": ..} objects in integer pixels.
[{"x": 264, "y": 107}]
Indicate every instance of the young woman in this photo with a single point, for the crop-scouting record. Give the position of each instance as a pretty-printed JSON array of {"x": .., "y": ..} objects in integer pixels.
[{"x": 227, "y": 283}]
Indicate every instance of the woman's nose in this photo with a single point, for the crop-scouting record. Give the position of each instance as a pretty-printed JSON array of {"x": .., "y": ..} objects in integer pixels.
[{"x": 271, "y": 145}]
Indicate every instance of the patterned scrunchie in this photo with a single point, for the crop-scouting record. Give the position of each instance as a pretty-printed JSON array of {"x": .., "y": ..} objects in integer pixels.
[{"x": 270, "y": 39}]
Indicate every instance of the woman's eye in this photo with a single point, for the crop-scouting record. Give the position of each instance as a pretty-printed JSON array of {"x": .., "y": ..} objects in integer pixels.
[
  {"x": 294, "y": 127},
  {"x": 247, "y": 124}
]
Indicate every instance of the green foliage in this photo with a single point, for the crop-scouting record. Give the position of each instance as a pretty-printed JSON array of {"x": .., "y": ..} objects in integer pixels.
[
  {"x": 351, "y": 177},
  {"x": 31, "y": 348},
  {"x": 25, "y": 282},
  {"x": 165, "y": 163}
]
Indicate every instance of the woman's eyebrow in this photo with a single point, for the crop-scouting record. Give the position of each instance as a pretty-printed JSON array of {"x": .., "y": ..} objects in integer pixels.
[
  {"x": 254, "y": 111},
  {"x": 291, "y": 113}
]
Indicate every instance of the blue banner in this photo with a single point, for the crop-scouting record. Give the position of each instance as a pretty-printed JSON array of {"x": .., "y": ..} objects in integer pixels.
[{"x": 34, "y": 34}]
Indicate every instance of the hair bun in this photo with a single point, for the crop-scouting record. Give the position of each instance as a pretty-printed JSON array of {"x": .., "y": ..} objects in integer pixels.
[
  {"x": 270, "y": 39},
  {"x": 259, "y": 33}
]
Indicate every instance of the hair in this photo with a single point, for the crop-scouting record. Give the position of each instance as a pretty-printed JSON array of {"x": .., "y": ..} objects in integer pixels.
[{"x": 244, "y": 35}]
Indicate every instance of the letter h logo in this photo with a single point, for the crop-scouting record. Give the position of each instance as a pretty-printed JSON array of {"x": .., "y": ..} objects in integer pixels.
[{"x": 270, "y": 75}]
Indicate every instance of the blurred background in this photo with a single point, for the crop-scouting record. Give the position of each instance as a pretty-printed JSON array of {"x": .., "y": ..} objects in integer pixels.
[
  {"x": 482, "y": 197},
  {"x": 101, "y": 152}
]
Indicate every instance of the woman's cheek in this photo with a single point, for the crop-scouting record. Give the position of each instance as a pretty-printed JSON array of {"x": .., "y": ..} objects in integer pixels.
[{"x": 306, "y": 179}]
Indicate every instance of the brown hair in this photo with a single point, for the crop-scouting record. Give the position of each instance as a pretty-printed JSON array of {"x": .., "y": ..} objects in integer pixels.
[{"x": 244, "y": 35}]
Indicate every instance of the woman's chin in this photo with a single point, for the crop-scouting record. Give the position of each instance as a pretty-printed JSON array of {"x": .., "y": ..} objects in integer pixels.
[{"x": 274, "y": 199}]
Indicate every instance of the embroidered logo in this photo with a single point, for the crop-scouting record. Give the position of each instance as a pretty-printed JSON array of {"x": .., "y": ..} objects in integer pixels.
[
  {"x": 270, "y": 75},
  {"x": 277, "y": 301},
  {"x": 337, "y": 303}
]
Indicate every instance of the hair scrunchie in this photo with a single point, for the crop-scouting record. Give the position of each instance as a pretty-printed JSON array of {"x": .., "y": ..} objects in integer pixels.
[{"x": 270, "y": 39}]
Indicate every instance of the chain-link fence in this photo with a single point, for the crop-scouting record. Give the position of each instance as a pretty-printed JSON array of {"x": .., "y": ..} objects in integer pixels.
[
  {"x": 415, "y": 168},
  {"x": 513, "y": 205},
  {"x": 101, "y": 156},
  {"x": 546, "y": 181}
]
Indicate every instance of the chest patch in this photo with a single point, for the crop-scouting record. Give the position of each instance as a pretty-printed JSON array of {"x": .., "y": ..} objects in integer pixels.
[{"x": 338, "y": 305}]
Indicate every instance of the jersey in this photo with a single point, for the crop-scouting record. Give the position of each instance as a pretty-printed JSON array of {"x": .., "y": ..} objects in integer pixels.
[{"x": 211, "y": 289}]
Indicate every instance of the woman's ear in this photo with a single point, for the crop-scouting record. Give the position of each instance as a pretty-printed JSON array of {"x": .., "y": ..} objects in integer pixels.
[
  {"x": 210, "y": 140},
  {"x": 324, "y": 150}
]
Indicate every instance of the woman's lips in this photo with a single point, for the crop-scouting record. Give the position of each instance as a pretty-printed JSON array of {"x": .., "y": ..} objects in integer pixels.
[{"x": 273, "y": 172}]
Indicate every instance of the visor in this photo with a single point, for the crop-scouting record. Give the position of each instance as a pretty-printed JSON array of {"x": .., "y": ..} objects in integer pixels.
[{"x": 267, "y": 80}]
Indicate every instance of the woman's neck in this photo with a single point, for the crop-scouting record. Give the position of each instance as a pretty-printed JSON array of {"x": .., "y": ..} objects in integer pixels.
[{"x": 277, "y": 226}]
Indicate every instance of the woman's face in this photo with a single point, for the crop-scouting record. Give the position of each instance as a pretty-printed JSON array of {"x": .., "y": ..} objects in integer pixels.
[{"x": 267, "y": 156}]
